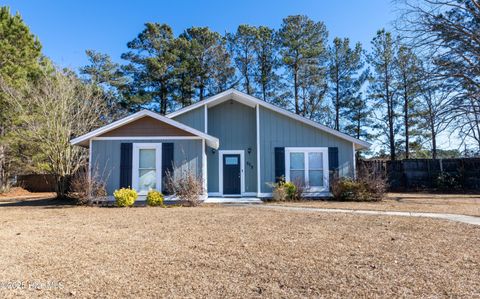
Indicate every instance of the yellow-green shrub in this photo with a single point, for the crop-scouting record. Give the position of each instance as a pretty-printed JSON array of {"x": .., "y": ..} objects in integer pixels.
[
  {"x": 154, "y": 198},
  {"x": 125, "y": 197},
  {"x": 283, "y": 191},
  {"x": 291, "y": 190}
]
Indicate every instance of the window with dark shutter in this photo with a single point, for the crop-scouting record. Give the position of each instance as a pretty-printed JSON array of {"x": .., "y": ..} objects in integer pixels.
[
  {"x": 333, "y": 158},
  {"x": 279, "y": 163},
  {"x": 167, "y": 163},
  {"x": 126, "y": 165}
]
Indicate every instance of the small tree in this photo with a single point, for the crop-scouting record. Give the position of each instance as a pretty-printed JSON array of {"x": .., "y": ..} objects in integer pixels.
[
  {"x": 186, "y": 185},
  {"x": 60, "y": 108}
]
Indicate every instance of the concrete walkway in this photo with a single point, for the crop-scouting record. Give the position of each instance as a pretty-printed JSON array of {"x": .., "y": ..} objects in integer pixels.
[{"x": 452, "y": 217}]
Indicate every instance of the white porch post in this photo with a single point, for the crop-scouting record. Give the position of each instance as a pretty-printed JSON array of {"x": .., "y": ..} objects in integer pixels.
[
  {"x": 354, "y": 162},
  {"x": 204, "y": 167},
  {"x": 257, "y": 110}
]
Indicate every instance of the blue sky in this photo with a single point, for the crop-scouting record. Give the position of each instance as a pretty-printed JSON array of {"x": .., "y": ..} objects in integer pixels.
[{"x": 67, "y": 28}]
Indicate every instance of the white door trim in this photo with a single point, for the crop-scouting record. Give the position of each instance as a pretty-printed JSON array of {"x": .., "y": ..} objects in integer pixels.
[
  {"x": 135, "y": 164},
  {"x": 242, "y": 170},
  {"x": 306, "y": 150}
]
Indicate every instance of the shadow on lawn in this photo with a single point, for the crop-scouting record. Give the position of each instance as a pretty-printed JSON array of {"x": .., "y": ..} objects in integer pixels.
[{"x": 47, "y": 203}]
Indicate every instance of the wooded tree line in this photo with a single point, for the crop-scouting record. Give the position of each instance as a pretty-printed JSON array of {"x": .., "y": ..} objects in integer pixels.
[{"x": 412, "y": 84}]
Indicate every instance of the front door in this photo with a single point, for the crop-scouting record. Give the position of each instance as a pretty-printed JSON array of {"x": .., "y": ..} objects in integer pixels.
[{"x": 231, "y": 174}]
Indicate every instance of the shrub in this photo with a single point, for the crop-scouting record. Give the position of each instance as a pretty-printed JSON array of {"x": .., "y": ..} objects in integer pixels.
[
  {"x": 84, "y": 188},
  {"x": 154, "y": 198},
  {"x": 290, "y": 189},
  {"x": 186, "y": 185},
  {"x": 279, "y": 192},
  {"x": 448, "y": 182},
  {"x": 283, "y": 191},
  {"x": 346, "y": 189},
  {"x": 368, "y": 186},
  {"x": 125, "y": 197}
]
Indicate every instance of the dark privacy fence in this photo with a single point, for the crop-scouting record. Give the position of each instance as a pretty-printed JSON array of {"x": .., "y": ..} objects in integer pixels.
[
  {"x": 447, "y": 175},
  {"x": 36, "y": 182}
]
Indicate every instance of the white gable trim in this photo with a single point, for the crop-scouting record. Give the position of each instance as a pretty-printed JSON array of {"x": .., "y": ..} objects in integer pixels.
[
  {"x": 211, "y": 141},
  {"x": 243, "y": 97}
]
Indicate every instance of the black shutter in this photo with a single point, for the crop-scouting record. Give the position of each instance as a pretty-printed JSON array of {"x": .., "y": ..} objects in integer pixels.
[
  {"x": 126, "y": 165},
  {"x": 167, "y": 163},
  {"x": 279, "y": 163},
  {"x": 332, "y": 158}
]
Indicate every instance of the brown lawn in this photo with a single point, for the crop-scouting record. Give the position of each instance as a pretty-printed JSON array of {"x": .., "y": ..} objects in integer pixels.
[
  {"x": 216, "y": 251},
  {"x": 411, "y": 202}
]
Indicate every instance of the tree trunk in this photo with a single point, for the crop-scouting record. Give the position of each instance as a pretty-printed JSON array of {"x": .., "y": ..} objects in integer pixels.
[
  {"x": 407, "y": 134},
  {"x": 337, "y": 105},
  {"x": 202, "y": 90},
  {"x": 4, "y": 184},
  {"x": 3, "y": 172},
  {"x": 295, "y": 89},
  {"x": 390, "y": 113},
  {"x": 61, "y": 186},
  {"x": 163, "y": 99},
  {"x": 434, "y": 146},
  {"x": 264, "y": 91}
]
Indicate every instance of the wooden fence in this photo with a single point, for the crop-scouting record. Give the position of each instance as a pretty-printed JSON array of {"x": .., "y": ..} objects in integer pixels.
[
  {"x": 448, "y": 175},
  {"x": 36, "y": 182}
]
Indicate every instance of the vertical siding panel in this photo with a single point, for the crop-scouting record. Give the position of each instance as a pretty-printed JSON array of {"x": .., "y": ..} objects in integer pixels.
[
  {"x": 234, "y": 124},
  {"x": 194, "y": 118},
  {"x": 280, "y": 130},
  {"x": 106, "y": 153}
]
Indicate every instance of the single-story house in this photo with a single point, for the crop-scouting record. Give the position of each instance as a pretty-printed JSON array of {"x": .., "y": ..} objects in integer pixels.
[{"x": 236, "y": 143}]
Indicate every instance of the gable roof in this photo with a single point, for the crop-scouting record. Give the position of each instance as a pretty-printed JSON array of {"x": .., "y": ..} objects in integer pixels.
[
  {"x": 210, "y": 140},
  {"x": 252, "y": 101}
]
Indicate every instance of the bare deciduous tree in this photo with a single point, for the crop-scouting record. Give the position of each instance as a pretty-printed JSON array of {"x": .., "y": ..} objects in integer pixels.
[{"x": 60, "y": 108}]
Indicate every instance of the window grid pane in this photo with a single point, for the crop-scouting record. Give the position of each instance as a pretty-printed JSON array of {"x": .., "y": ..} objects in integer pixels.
[
  {"x": 315, "y": 160},
  {"x": 146, "y": 159},
  {"x": 315, "y": 178},
  {"x": 297, "y": 161}
]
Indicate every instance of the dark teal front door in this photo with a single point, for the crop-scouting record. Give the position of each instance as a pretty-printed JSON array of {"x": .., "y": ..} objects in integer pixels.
[{"x": 231, "y": 174}]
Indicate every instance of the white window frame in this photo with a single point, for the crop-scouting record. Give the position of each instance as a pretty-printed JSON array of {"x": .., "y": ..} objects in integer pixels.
[
  {"x": 135, "y": 164},
  {"x": 242, "y": 170},
  {"x": 306, "y": 151}
]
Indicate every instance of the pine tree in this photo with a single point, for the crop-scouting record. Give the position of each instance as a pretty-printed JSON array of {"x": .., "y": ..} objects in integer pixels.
[
  {"x": 408, "y": 78},
  {"x": 302, "y": 48},
  {"x": 108, "y": 76},
  {"x": 20, "y": 52},
  {"x": 152, "y": 58},
  {"x": 242, "y": 45},
  {"x": 207, "y": 48},
  {"x": 382, "y": 87},
  {"x": 344, "y": 66},
  {"x": 267, "y": 65}
]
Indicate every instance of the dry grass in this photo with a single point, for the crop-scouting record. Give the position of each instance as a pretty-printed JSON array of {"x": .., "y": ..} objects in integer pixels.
[
  {"x": 234, "y": 252},
  {"x": 18, "y": 193},
  {"x": 410, "y": 202}
]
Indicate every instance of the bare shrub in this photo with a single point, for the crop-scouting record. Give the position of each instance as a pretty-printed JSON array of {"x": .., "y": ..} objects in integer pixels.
[
  {"x": 84, "y": 188},
  {"x": 299, "y": 189},
  {"x": 287, "y": 191},
  {"x": 370, "y": 185},
  {"x": 185, "y": 185}
]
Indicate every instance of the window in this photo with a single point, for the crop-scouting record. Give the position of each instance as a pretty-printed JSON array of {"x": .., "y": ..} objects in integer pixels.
[
  {"x": 231, "y": 160},
  {"x": 307, "y": 166},
  {"x": 147, "y": 170},
  {"x": 297, "y": 168},
  {"x": 146, "y": 167}
]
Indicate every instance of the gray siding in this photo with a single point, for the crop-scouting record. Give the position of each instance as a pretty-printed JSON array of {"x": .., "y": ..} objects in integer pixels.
[
  {"x": 234, "y": 124},
  {"x": 106, "y": 158},
  {"x": 194, "y": 118},
  {"x": 277, "y": 130}
]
